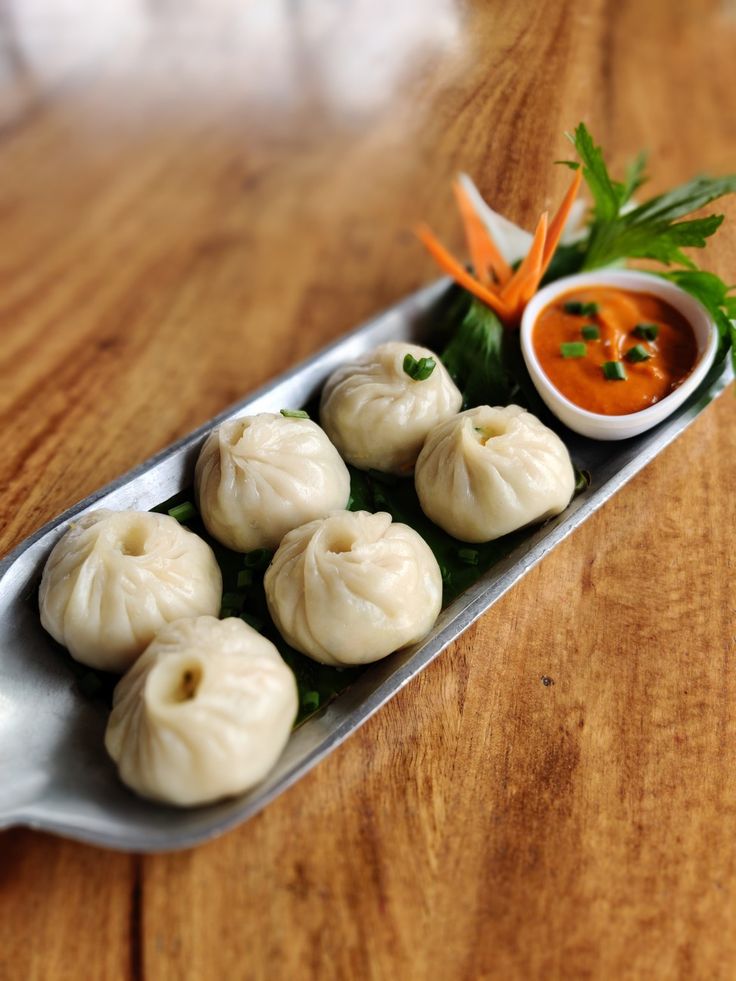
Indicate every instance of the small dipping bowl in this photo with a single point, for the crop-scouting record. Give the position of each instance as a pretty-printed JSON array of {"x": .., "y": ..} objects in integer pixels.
[{"x": 607, "y": 427}]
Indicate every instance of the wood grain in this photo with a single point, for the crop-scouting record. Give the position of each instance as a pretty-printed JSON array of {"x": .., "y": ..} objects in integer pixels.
[{"x": 194, "y": 197}]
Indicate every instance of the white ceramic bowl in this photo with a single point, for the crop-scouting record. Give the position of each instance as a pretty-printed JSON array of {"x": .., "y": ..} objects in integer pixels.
[{"x": 594, "y": 424}]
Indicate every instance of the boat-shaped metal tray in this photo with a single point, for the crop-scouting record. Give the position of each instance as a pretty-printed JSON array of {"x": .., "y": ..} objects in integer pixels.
[{"x": 54, "y": 772}]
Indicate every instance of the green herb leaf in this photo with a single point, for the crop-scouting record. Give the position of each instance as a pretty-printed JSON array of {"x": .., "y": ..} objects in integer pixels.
[
  {"x": 418, "y": 370},
  {"x": 654, "y": 239},
  {"x": 635, "y": 177},
  {"x": 607, "y": 195},
  {"x": 718, "y": 300},
  {"x": 650, "y": 230},
  {"x": 476, "y": 358},
  {"x": 683, "y": 200}
]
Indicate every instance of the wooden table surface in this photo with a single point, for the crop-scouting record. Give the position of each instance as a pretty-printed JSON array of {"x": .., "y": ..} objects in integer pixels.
[{"x": 194, "y": 196}]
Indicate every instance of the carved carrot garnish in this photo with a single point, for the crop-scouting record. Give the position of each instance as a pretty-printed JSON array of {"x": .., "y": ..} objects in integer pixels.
[
  {"x": 523, "y": 284},
  {"x": 484, "y": 253},
  {"x": 506, "y": 291},
  {"x": 449, "y": 264},
  {"x": 557, "y": 225}
]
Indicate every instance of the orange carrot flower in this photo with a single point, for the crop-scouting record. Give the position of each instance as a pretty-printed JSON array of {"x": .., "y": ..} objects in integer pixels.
[{"x": 504, "y": 290}]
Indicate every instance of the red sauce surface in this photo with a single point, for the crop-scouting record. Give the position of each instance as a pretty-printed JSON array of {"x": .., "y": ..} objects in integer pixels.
[{"x": 581, "y": 380}]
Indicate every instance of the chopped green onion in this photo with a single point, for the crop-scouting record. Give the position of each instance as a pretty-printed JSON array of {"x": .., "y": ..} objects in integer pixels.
[
  {"x": 574, "y": 349},
  {"x": 245, "y": 578},
  {"x": 418, "y": 370},
  {"x": 582, "y": 480},
  {"x": 580, "y": 309},
  {"x": 183, "y": 512},
  {"x": 614, "y": 371},
  {"x": 647, "y": 332},
  {"x": 590, "y": 332},
  {"x": 252, "y": 621},
  {"x": 468, "y": 555},
  {"x": 259, "y": 558},
  {"x": 295, "y": 413},
  {"x": 637, "y": 353},
  {"x": 310, "y": 701}
]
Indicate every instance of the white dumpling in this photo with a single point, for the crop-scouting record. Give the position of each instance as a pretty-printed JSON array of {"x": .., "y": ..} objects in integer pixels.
[
  {"x": 377, "y": 415},
  {"x": 204, "y": 712},
  {"x": 115, "y": 578},
  {"x": 353, "y": 587},
  {"x": 490, "y": 471},
  {"x": 260, "y": 476}
]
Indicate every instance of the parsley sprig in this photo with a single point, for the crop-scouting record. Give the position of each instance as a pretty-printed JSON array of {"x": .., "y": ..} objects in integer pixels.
[
  {"x": 654, "y": 229},
  {"x": 651, "y": 230}
]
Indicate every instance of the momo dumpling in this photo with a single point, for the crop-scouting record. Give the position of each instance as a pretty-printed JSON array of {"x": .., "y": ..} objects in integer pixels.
[
  {"x": 378, "y": 415},
  {"x": 260, "y": 476},
  {"x": 114, "y": 578},
  {"x": 353, "y": 587},
  {"x": 204, "y": 712},
  {"x": 490, "y": 471}
]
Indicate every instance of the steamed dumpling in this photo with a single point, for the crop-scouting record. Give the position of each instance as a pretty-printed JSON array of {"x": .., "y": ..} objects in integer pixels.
[
  {"x": 377, "y": 415},
  {"x": 490, "y": 471},
  {"x": 353, "y": 587},
  {"x": 116, "y": 577},
  {"x": 260, "y": 476},
  {"x": 204, "y": 713}
]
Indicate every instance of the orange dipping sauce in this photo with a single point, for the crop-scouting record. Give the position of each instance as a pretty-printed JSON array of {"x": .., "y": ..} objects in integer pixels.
[{"x": 672, "y": 353}]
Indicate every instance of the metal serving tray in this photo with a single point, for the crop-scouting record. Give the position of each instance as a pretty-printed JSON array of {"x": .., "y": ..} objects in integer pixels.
[{"x": 54, "y": 772}]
